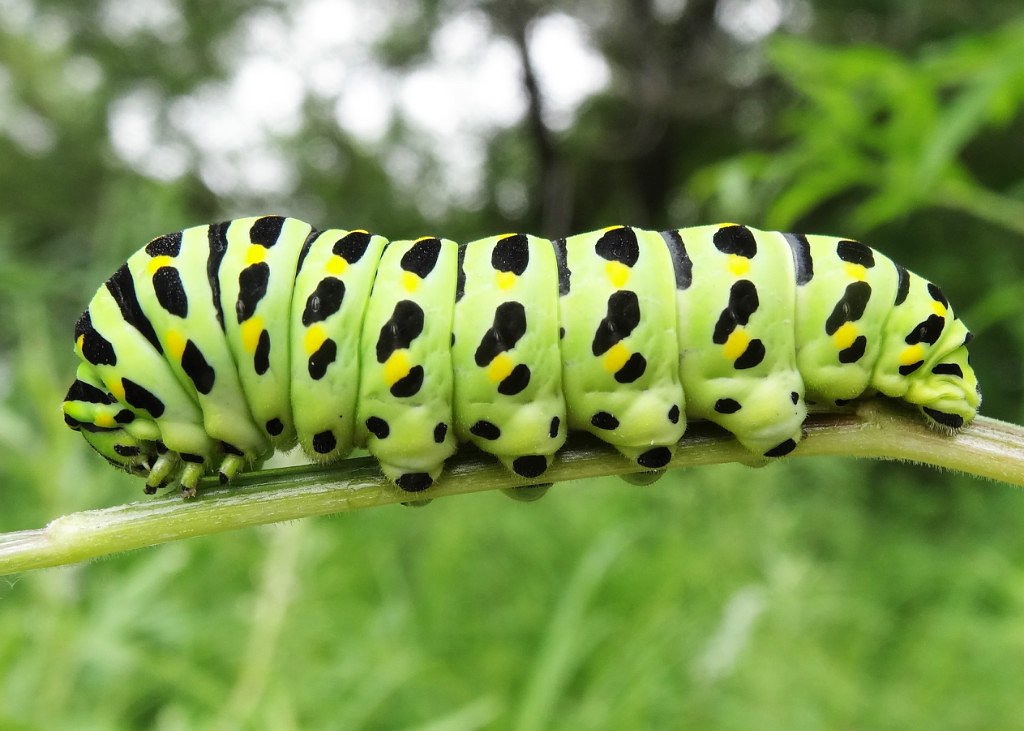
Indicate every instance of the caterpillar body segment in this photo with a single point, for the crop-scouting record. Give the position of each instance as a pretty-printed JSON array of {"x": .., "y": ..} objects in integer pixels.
[
  {"x": 189, "y": 333},
  {"x": 506, "y": 352},
  {"x": 336, "y": 271},
  {"x": 928, "y": 366},
  {"x": 256, "y": 273},
  {"x": 845, "y": 293},
  {"x": 406, "y": 383},
  {"x": 212, "y": 347},
  {"x": 738, "y": 360},
  {"x": 620, "y": 355},
  {"x": 129, "y": 363}
]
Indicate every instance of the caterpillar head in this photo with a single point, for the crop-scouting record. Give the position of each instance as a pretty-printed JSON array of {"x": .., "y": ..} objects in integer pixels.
[
  {"x": 102, "y": 421},
  {"x": 948, "y": 393}
]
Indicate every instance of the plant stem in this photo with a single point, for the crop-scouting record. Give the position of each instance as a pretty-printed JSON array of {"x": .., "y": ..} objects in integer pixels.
[{"x": 876, "y": 429}]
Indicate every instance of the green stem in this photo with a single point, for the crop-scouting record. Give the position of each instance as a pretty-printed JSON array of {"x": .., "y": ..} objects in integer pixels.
[{"x": 877, "y": 429}]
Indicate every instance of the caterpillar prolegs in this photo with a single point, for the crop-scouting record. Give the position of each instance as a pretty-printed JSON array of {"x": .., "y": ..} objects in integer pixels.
[{"x": 214, "y": 346}]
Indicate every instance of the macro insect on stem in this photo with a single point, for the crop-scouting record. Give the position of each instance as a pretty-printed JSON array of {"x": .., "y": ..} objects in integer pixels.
[{"x": 212, "y": 347}]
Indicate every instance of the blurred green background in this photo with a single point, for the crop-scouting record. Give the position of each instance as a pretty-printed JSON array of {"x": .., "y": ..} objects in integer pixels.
[{"x": 826, "y": 594}]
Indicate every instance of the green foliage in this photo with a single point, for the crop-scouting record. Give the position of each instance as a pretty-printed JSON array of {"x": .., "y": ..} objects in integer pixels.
[{"x": 887, "y": 131}]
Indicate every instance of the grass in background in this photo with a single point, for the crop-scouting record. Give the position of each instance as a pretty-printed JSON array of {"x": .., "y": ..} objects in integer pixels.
[{"x": 805, "y": 595}]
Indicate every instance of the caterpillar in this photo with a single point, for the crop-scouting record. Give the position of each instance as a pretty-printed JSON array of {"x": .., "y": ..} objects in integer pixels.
[{"x": 212, "y": 347}]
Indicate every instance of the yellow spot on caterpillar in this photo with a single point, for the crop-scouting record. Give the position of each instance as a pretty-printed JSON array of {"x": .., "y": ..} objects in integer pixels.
[
  {"x": 606, "y": 229},
  {"x": 359, "y": 231},
  {"x": 424, "y": 238},
  {"x": 938, "y": 308},
  {"x": 117, "y": 388},
  {"x": 410, "y": 281},
  {"x": 912, "y": 354},
  {"x": 158, "y": 262},
  {"x": 175, "y": 344},
  {"x": 845, "y": 335},
  {"x": 80, "y": 343},
  {"x": 737, "y": 344},
  {"x": 105, "y": 420},
  {"x": 615, "y": 358},
  {"x": 396, "y": 367},
  {"x": 500, "y": 368},
  {"x": 738, "y": 265},
  {"x": 725, "y": 225},
  {"x": 856, "y": 271},
  {"x": 337, "y": 265},
  {"x": 251, "y": 330},
  {"x": 618, "y": 273},
  {"x": 506, "y": 280},
  {"x": 315, "y": 337},
  {"x": 255, "y": 254}
]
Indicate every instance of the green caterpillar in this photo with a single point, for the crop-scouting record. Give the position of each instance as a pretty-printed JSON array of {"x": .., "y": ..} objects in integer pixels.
[{"x": 214, "y": 346}]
